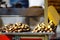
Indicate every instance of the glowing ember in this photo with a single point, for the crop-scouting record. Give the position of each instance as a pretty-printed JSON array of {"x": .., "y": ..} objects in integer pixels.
[
  {"x": 16, "y": 28},
  {"x": 43, "y": 28}
]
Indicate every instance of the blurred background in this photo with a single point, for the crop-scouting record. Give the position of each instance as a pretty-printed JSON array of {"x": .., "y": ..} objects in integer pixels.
[
  {"x": 14, "y": 3},
  {"x": 11, "y": 7}
]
